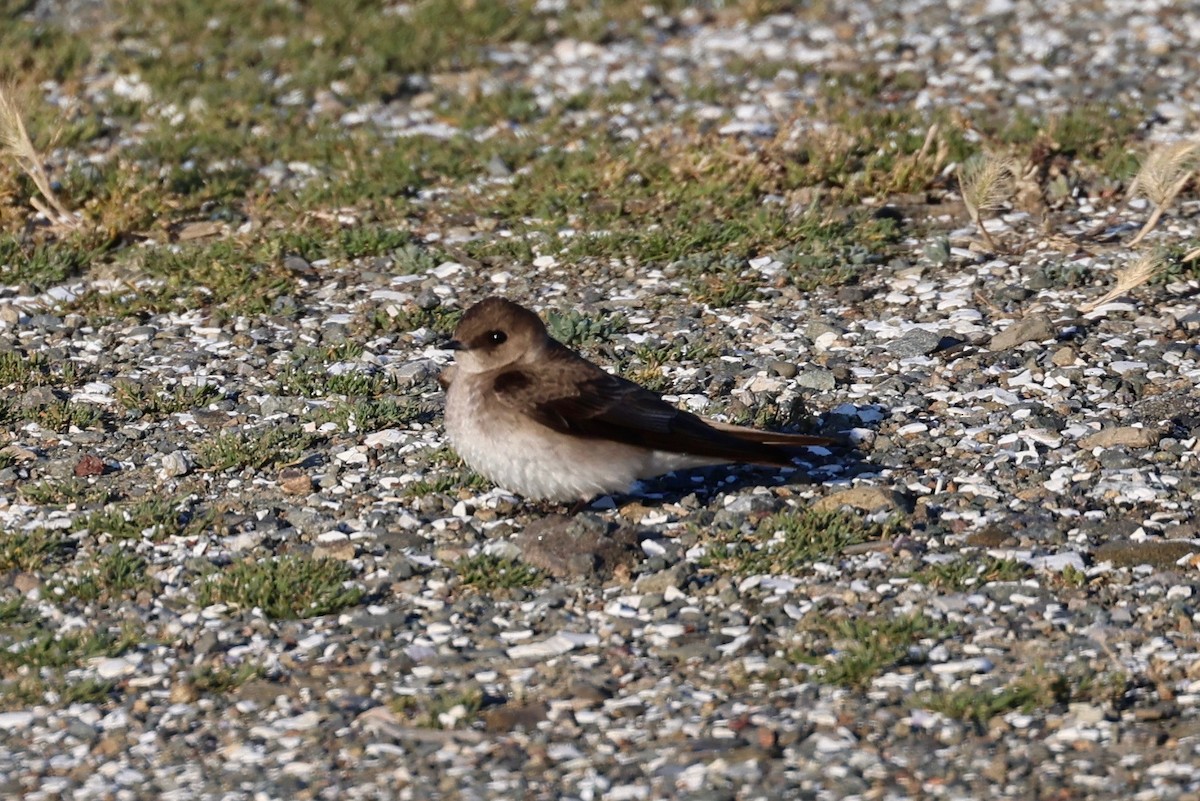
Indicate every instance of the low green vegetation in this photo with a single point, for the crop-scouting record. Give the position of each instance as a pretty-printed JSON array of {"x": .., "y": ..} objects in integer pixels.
[
  {"x": 36, "y": 657},
  {"x": 971, "y": 571},
  {"x": 107, "y": 577},
  {"x": 210, "y": 680},
  {"x": 59, "y": 492},
  {"x": 255, "y": 448},
  {"x": 487, "y": 573},
  {"x": 427, "y": 711},
  {"x": 1034, "y": 691},
  {"x": 446, "y": 483},
  {"x": 852, "y": 652},
  {"x": 152, "y": 402},
  {"x": 577, "y": 329},
  {"x": 376, "y": 414},
  {"x": 788, "y": 542},
  {"x": 290, "y": 586},
  {"x": 153, "y": 518},
  {"x": 32, "y": 550}
]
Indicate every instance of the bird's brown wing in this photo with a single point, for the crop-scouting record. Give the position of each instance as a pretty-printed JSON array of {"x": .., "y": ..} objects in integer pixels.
[{"x": 573, "y": 396}]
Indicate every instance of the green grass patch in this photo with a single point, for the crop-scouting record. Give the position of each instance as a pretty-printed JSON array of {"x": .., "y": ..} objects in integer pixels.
[
  {"x": 285, "y": 587},
  {"x": 223, "y": 679},
  {"x": 62, "y": 416},
  {"x": 35, "y": 657},
  {"x": 969, "y": 571},
  {"x": 1031, "y": 692},
  {"x": 487, "y": 573},
  {"x": 21, "y": 371},
  {"x": 788, "y": 542},
  {"x": 148, "y": 401},
  {"x": 576, "y": 329},
  {"x": 34, "y": 646},
  {"x": 41, "y": 265},
  {"x": 447, "y": 484},
  {"x": 60, "y": 492},
  {"x": 153, "y": 518},
  {"x": 440, "y": 320},
  {"x": 29, "y": 690},
  {"x": 376, "y": 414},
  {"x": 426, "y": 710},
  {"x": 108, "y": 577},
  {"x": 851, "y": 653},
  {"x": 254, "y": 449},
  {"x": 317, "y": 382},
  {"x": 32, "y": 551}
]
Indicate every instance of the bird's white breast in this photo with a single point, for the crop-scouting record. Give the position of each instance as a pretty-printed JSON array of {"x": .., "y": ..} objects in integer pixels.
[{"x": 527, "y": 458}]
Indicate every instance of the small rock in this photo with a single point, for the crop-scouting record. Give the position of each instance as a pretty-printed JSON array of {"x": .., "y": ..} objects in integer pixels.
[
  {"x": 17, "y": 453},
  {"x": 295, "y": 481},
  {"x": 818, "y": 328},
  {"x": 15, "y": 720},
  {"x": 45, "y": 322},
  {"x": 497, "y": 168},
  {"x": 1123, "y": 436},
  {"x": 176, "y": 464},
  {"x": 26, "y": 582},
  {"x": 915, "y": 342},
  {"x": 990, "y": 537},
  {"x": 1156, "y": 553},
  {"x": 299, "y": 266},
  {"x": 513, "y": 716},
  {"x": 428, "y": 300},
  {"x": 674, "y": 577},
  {"x": 184, "y": 692},
  {"x": 416, "y": 371},
  {"x": 782, "y": 368},
  {"x": 868, "y": 499},
  {"x": 818, "y": 379},
  {"x": 1064, "y": 357},
  {"x": 1034, "y": 328},
  {"x": 582, "y": 546},
  {"x": 113, "y": 668},
  {"x": 342, "y": 551},
  {"x": 89, "y": 465}
]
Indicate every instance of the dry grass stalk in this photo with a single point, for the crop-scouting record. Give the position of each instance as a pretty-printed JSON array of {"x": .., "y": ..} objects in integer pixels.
[
  {"x": 987, "y": 183},
  {"x": 1163, "y": 175},
  {"x": 1129, "y": 277},
  {"x": 15, "y": 142}
]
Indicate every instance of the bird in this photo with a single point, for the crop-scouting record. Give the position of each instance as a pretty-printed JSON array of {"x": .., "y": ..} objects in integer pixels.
[{"x": 541, "y": 421}]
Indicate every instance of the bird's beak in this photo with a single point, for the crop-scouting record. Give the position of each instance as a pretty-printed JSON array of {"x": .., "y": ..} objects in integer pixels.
[{"x": 452, "y": 344}]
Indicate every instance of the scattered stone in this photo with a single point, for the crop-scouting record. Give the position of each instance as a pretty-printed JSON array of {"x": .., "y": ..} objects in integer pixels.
[
  {"x": 579, "y": 547},
  {"x": 990, "y": 537},
  {"x": 89, "y": 465},
  {"x": 868, "y": 499},
  {"x": 782, "y": 368},
  {"x": 295, "y": 481},
  {"x": 1123, "y": 436},
  {"x": 1161, "y": 554},
  {"x": 428, "y": 301},
  {"x": 1064, "y": 357},
  {"x": 915, "y": 342},
  {"x": 515, "y": 717},
  {"x": 176, "y": 464},
  {"x": 817, "y": 379},
  {"x": 1034, "y": 328}
]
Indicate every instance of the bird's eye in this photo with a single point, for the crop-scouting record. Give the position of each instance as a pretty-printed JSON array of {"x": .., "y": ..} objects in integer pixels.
[{"x": 497, "y": 337}]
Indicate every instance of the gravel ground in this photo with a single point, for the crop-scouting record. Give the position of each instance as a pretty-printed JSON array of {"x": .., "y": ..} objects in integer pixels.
[{"x": 1011, "y": 615}]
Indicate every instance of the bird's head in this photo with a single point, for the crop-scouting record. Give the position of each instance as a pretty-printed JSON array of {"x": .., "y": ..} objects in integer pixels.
[{"x": 495, "y": 333}]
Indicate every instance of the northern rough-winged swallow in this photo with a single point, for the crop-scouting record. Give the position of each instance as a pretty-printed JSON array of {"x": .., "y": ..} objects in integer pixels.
[{"x": 540, "y": 420}]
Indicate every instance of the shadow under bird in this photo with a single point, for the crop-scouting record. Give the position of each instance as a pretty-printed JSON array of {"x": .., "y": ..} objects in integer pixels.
[{"x": 539, "y": 420}]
